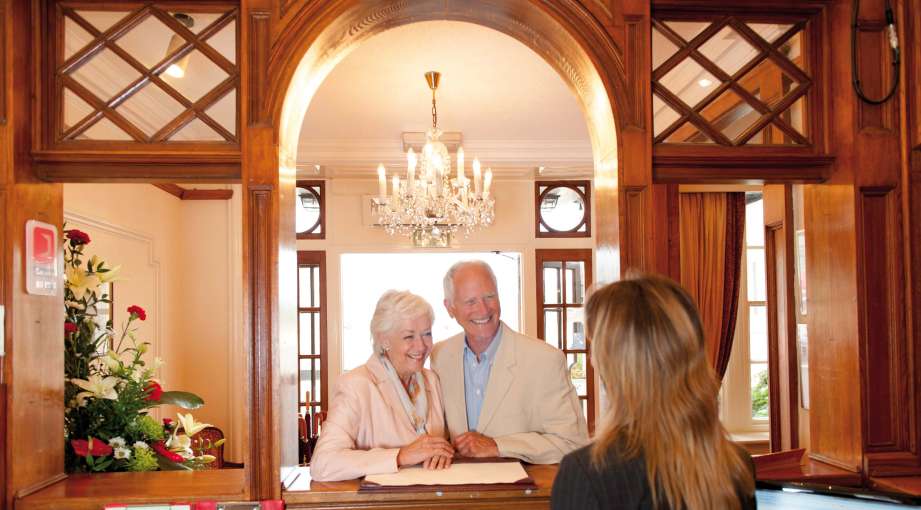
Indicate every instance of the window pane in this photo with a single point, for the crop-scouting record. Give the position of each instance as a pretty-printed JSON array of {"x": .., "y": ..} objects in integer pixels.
[
  {"x": 757, "y": 328},
  {"x": 575, "y": 328},
  {"x": 303, "y": 286},
  {"x": 585, "y": 407},
  {"x": 305, "y": 377},
  {"x": 575, "y": 282},
  {"x": 577, "y": 372},
  {"x": 308, "y": 334},
  {"x": 690, "y": 82},
  {"x": 757, "y": 287},
  {"x": 754, "y": 223},
  {"x": 318, "y": 381},
  {"x": 552, "y": 284},
  {"x": 315, "y": 289},
  {"x": 729, "y": 50},
  {"x": 759, "y": 385},
  {"x": 662, "y": 48},
  {"x": 552, "y": 333}
]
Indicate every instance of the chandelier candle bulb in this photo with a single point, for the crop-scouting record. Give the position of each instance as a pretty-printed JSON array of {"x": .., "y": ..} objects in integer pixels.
[
  {"x": 487, "y": 181},
  {"x": 396, "y": 190},
  {"x": 476, "y": 177},
  {"x": 381, "y": 181},
  {"x": 460, "y": 165},
  {"x": 411, "y": 168}
]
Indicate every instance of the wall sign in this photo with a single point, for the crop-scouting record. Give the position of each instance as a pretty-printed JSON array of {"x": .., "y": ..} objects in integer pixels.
[{"x": 43, "y": 259}]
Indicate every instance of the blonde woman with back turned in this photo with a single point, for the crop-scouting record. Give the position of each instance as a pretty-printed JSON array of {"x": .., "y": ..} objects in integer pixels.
[{"x": 662, "y": 444}]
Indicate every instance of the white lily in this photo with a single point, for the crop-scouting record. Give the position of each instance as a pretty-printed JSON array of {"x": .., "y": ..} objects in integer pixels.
[
  {"x": 189, "y": 425},
  {"x": 98, "y": 387},
  {"x": 111, "y": 275},
  {"x": 80, "y": 282},
  {"x": 180, "y": 444}
]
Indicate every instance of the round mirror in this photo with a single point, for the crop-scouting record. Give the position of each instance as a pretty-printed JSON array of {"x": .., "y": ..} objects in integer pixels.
[
  {"x": 562, "y": 209},
  {"x": 307, "y": 207}
]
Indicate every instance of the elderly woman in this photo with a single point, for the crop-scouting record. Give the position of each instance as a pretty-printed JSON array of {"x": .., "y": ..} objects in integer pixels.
[
  {"x": 388, "y": 412},
  {"x": 662, "y": 445}
]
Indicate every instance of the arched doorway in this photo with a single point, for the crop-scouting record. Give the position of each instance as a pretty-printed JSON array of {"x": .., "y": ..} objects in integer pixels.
[{"x": 565, "y": 34}]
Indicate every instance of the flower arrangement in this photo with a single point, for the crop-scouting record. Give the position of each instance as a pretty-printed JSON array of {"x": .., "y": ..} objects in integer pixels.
[{"x": 109, "y": 388}]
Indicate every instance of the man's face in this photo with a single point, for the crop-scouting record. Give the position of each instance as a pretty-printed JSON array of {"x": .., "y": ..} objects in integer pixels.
[{"x": 475, "y": 305}]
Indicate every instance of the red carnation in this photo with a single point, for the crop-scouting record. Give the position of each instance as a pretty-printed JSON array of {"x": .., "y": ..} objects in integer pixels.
[
  {"x": 168, "y": 422},
  {"x": 137, "y": 310},
  {"x": 160, "y": 448},
  {"x": 69, "y": 327},
  {"x": 155, "y": 391},
  {"x": 77, "y": 237},
  {"x": 95, "y": 447}
]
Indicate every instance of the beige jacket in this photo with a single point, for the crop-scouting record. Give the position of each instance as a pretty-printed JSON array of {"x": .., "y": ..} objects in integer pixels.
[
  {"x": 366, "y": 424},
  {"x": 531, "y": 409}
]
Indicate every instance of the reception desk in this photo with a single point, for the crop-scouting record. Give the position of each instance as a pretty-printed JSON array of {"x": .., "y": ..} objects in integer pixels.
[{"x": 341, "y": 495}]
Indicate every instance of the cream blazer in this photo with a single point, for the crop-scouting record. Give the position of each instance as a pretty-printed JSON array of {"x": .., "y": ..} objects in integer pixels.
[
  {"x": 530, "y": 409},
  {"x": 366, "y": 424}
]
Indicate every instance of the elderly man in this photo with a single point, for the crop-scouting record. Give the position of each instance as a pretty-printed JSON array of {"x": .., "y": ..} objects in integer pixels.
[{"x": 505, "y": 394}]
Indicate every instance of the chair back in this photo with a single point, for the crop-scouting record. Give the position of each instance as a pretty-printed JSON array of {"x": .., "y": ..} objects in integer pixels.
[{"x": 205, "y": 440}]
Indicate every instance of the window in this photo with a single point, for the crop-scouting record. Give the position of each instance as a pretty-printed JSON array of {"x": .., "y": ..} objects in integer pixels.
[
  {"x": 310, "y": 210},
  {"x": 311, "y": 332},
  {"x": 730, "y": 80},
  {"x": 563, "y": 209},
  {"x": 562, "y": 279},
  {"x": 745, "y": 387},
  {"x": 366, "y": 276}
]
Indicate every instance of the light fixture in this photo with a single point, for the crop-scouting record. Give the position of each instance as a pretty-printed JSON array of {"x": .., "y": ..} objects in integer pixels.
[
  {"x": 704, "y": 82},
  {"x": 428, "y": 205},
  {"x": 177, "y": 69}
]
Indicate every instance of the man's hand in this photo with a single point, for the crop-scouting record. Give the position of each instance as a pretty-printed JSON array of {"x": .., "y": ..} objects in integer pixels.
[{"x": 474, "y": 444}]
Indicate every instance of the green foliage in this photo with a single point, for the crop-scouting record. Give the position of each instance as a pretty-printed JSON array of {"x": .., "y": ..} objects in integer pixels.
[
  {"x": 760, "y": 396},
  {"x": 145, "y": 426},
  {"x": 182, "y": 399},
  {"x": 143, "y": 459}
]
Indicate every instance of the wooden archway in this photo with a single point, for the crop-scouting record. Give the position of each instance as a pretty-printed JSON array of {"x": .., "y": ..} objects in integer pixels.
[{"x": 566, "y": 33}]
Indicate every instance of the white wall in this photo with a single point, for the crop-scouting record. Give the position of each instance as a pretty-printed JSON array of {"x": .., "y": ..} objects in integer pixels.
[
  {"x": 346, "y": 232},
  {"x": 181, "y": 262}
]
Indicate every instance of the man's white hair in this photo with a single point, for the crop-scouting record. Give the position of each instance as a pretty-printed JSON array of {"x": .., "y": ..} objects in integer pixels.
[{"x": 449, "y": 276}]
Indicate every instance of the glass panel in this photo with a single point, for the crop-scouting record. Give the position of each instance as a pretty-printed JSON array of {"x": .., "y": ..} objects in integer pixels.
[
  {"x": 768, "y": 82},
  {"x": 754, "y": 223},
  {"x": 552, "y": 283},
  {"x": 758, "y": 138},
  {"x": 662, "y": 115},
  {"x": 575, "y": 277},
  {"x": 104, "y": 129},
  {"x": 316, "y": 287},
  {"x": 577, "y": 373},
  {"x": 150, "y": 108},
  {"x": 318, "y": 380},
  {"x": 795, "y": 114},
  {"x": 662, "y": 48},
  {"x": 688, "y": 133},
  {"x": 200, "y": 20},
  {"x": 689, "y": 81},
  {"x": 575, "y": 328},
  {"x": 552, "y": 333},
  {"x": 770, "y": 31},
  {"x": 307, "y": 328},
  {"x": 759, "y": 385},
  {"x": 75, "y": 37},
  {"x": 729, "y": 50},
  {"x": 756, "y": 276},
  {"x": 303, "y": 286},
  {"x": 102, "y": 20},
  {"x": 224, "y": 111},
  {"x": 793, "y": 50},
  {"x": 225, "y": 42},
  {"x": 562, "y": 209},
  {"x": 757, "y": 327},
  {"x": 200, "y": 76},
  {"x": 730, "y": 114},
  {"x": 105, "y": 75},
  {"x": 306, "y": 375},
  {"x": 307, "y": 212},
  {"x": 687, "y": 29},
  {"x": 196, "y": 131},
  {"x": 149, "y": 42},
  {"x": 75, "y": 108}
]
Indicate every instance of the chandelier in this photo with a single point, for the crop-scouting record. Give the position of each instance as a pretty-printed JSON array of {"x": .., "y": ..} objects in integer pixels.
[{"x": 428, "y": 204}]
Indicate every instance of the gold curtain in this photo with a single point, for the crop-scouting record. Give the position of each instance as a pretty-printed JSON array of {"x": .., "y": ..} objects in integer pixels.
[{"x": 712, "y": 229}]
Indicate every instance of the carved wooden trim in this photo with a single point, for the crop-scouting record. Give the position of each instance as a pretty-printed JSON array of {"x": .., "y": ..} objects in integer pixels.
[
  {"x": 195, "y": 194},
  {"x": 636, "y": 37},
  {"x": 634, "y": 234},
  {"x": 258, "y": 66},
  {"x": 35, "y": 487},
  {"x": 110, "y": 171},
  {"x": 764, "y": 168},
  {"x": 770, "y": 266},
  {"x": 586, "y": 201},
  {"x": 264, "y": 483}
]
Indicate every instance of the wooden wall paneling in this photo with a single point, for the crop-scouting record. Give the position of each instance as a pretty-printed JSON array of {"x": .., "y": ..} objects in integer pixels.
[
  {"x": 634, "y": 235},
  {"x": 775, "y": 398},
  {"x": 3, "y": 84},
  {"x": 259, "y": 46}
]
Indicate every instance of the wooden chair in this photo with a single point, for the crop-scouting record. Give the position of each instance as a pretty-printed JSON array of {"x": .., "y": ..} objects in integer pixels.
[
  {"x": 313, "y": 434},
  {"x": 214, "y": 435}
]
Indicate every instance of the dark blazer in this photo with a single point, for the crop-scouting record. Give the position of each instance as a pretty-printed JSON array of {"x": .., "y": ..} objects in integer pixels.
[{"x": 621, "y": 485}]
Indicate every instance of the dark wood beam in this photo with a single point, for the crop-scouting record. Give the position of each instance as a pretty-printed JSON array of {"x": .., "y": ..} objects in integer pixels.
[{"x": 196, "y": 194}]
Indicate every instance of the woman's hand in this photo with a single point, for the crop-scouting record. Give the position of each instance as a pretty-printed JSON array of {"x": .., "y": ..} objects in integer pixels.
[{"x": 435, "y": 452}]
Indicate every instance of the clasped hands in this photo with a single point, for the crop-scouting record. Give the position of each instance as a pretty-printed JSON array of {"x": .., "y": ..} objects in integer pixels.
[{"x": 437, "y": 453}]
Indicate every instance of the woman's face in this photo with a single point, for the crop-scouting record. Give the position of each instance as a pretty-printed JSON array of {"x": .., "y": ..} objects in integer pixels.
[{"x": 409, "y": 344}]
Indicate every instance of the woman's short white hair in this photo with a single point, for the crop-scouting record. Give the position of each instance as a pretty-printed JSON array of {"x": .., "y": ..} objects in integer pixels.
[
  {"x": 448, "y": 281},
  {"x": 392, "y": 308}
]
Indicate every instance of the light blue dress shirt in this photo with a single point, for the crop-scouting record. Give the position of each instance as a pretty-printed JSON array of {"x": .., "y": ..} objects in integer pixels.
[{"x": 476, "y": 377}]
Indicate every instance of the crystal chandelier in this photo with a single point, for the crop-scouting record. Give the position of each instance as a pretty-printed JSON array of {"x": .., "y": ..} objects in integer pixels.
[{"x": 428, "y": 204}]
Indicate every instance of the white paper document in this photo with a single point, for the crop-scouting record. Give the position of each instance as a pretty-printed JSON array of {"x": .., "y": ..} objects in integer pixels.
[{"x": 457, "y": 474}]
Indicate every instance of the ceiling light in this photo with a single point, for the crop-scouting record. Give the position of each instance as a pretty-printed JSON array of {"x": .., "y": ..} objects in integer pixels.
[
  {"x": 429, "y": 205},
  {"x": 704, "y": 83},
  {"x": 177, "y": 69}
]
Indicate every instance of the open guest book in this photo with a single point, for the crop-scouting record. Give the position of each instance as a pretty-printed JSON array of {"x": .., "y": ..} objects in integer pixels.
[{"x": 467, "y": 474}]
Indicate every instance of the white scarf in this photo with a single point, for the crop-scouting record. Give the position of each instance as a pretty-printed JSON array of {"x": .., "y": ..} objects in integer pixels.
[{"x": 415, "y": 402}]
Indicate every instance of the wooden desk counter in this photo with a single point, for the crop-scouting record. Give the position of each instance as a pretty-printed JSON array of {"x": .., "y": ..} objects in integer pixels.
[{"x": 340, "y": 495}]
